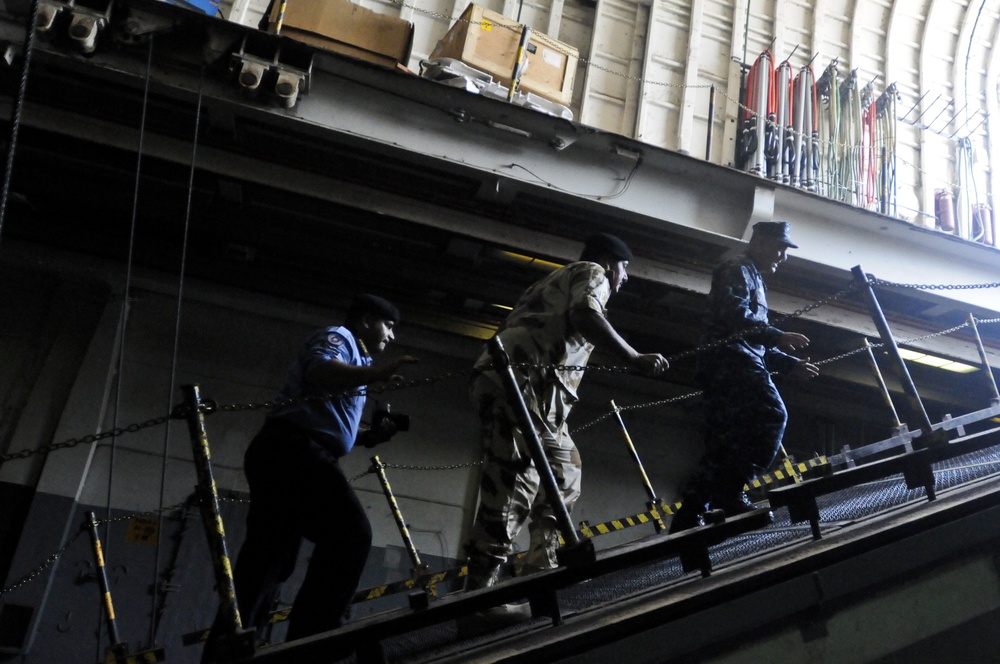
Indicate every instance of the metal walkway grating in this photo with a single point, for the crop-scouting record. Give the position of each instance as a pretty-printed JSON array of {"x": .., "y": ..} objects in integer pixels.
[{"x": 857, "y": 503}]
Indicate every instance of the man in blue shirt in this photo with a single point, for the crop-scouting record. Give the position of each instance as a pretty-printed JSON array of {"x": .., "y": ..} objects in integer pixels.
[
  {"x": 744, "y": 413},
  {"x": 297, "y": 487}
]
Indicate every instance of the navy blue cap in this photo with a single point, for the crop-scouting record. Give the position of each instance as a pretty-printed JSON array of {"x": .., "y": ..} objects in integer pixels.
[{"x": 776, "y": 230}]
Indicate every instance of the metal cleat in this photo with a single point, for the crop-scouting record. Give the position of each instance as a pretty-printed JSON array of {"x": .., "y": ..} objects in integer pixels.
[
  {"x": 284, "y": 71},
  {"x": 252, "y": 73},
  {"x": 86, "y": 21},
  {"x": 287, "y": 86},
  {"x": 84, "y": 29},
  {"x": 45, "y": 21}
]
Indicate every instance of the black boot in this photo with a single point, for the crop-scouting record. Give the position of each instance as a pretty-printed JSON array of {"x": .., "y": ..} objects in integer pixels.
[
  {"x": 688, "y": 516},
  {"x": 735, "y": 504}
]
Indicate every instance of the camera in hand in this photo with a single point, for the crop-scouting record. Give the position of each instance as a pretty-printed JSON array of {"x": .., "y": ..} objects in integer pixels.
[{"x": 401, "y": 421}]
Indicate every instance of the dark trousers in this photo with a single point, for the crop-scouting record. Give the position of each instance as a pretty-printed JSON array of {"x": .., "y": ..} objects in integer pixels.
[
  {"x": 298, "y": 490},
  {"x": 745, "y": 421}
]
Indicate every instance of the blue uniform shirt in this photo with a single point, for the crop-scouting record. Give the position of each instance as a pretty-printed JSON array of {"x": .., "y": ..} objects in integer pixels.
[
  {"x": 737, "y": 303},
  {"x": 332, "y": 423}
]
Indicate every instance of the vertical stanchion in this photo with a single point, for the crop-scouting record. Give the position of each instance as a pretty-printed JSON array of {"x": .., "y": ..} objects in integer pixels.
[
  {"x": 711, "y": 123},
  {"x": 984, "y": 359},
  {"x": 118, "y": 649},
  {"x": 236, "y": 640},
  {"x": 379, "y": 469},
  {"x": 520, "y": 60},
  {"x": 654, "y": 502},
  {"x": 418, "y": 599},
  {"x": 928, "y": 436},
  {"x": 576, "y": 550},
  {"x": 881, "y": 384},
  {"x": 788, "y": 464},
  {"x": 280, "y": 21}
]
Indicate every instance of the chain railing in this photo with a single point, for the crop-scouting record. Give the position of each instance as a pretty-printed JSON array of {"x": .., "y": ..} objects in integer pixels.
[
  {"x": 212, "y": 407},
  {"x": 85, "y": 440},
  {"x": 883, "y": 282}
]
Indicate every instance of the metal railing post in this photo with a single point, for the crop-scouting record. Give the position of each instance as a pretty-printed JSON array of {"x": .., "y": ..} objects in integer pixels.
[
  {"x": 928, "y": 435},
  {"x": 881, "y": 384},
  {"x": 118, "y": 648},
  {"x": 984, "y": 359},
  {"x": 236, "y": 640},
  {"x": 654, "y": 502},
  {"x": 576, "y": 550},
  {"x": 419, "y": 599},
  {"x": 379, "y": 469}
]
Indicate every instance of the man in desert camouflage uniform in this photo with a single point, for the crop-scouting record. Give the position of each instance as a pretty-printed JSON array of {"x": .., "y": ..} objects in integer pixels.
[{"x": 557, "y": 322}]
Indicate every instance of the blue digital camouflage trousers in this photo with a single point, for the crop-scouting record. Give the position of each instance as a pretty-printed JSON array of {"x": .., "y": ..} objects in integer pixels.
[
  {"x": 510, "y": 491},
  {"x": 745, "y": 419}
]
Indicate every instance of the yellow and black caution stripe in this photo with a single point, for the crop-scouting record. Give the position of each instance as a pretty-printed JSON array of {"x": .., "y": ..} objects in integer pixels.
[
  {"x": 146, "y": 657},
  {"x": 654, "y": 515},
  {"x": 426, "y": 581},
  {"x": 789, "y": 472}
]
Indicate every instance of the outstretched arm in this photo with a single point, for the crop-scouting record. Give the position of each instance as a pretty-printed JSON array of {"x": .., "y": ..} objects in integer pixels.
[
  {"x": 334, "y": 375},
  {"x": 598, "y": 331}
]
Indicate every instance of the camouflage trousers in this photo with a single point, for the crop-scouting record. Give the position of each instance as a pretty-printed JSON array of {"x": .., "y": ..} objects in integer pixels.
[{"x": 510, "y": 491}]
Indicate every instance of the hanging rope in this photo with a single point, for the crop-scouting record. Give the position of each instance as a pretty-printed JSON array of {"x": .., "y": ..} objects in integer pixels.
[
  {"x": 827, "y": 89},
  {"x": 968, "y": 226},
  {"x": 123, "y": 317},
  {"x": 886, "y": 121},
  {"x": 15, "y": 124},
  {"x": 173, "y": 358}
]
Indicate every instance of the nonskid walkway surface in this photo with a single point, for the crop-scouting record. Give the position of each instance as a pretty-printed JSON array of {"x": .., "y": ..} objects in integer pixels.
[{"x": 836, "y": 509}]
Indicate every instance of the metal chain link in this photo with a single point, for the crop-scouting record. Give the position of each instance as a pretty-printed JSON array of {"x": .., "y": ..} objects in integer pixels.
[
  {"x": 818, "y": 303},
  {"x": 745, "y": 333},
  {"x": 660, "y": 402},
  {"x": 35, "y": 573},
  {"x": 883, "y": 282},
  {"x": 48, "y": 562},
  {"x": 380, "y": 389},
  {"x": 209, "y": 407},
  {"x": 85, "y": 440},
  {"x": 934, "y": 334},
  {"x": 156, "y": 512},
  {"x": 399, "y": 466},
  {"x": 879, "y": 344},
  {"x": 454, "y": 466}
]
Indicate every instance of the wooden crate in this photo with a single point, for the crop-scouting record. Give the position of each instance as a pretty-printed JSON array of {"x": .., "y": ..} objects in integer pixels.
[{"x": 488, "y": 41}]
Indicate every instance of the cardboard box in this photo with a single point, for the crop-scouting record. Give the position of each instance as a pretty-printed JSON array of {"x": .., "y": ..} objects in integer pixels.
[
  {"x": 344, "y": 27},
  {"x": 488, "y": 41}
]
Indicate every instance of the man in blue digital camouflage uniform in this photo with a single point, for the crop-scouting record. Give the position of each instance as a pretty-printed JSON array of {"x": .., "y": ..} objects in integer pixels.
[
  {"x": 556, "y": 321},
  {"x": 744, "y": 413},
  {"x": 297, "y": 487}
]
